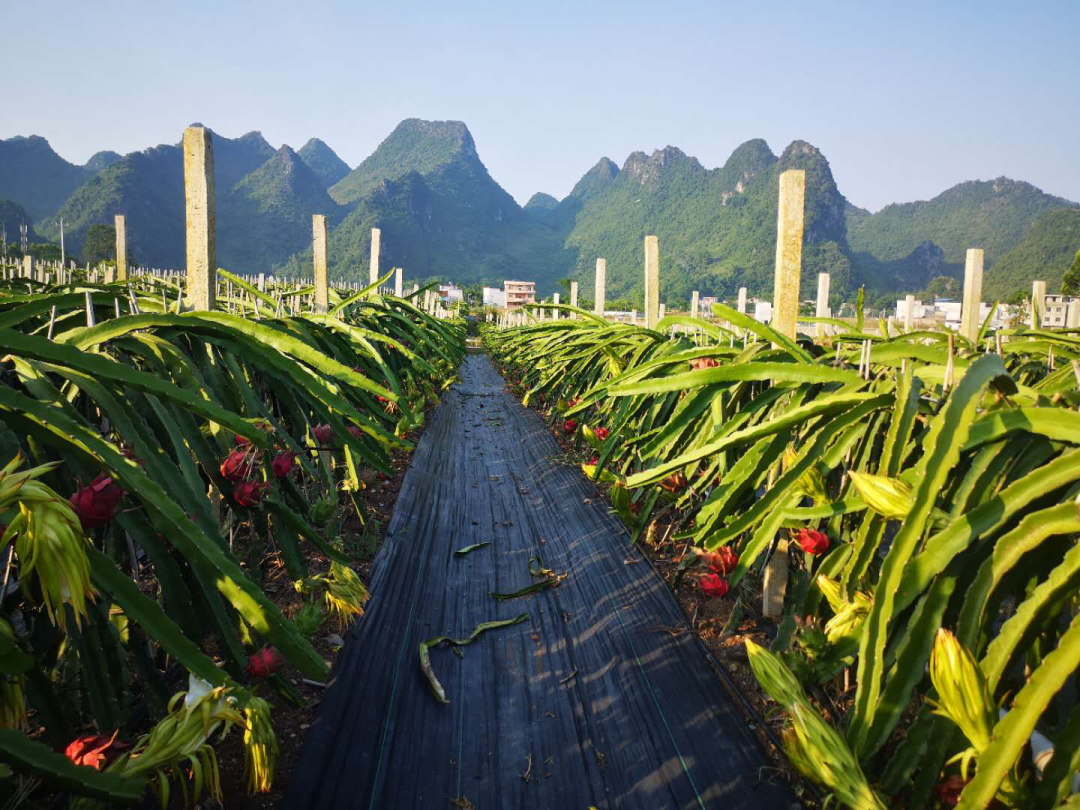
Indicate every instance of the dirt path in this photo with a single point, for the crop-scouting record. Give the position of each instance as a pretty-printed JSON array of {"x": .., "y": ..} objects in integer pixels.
[{"x": 590, "y": 702}]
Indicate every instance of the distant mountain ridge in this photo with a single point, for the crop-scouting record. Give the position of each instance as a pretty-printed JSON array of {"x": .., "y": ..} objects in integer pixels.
[
  {"x": 991, "y": 214},
  {"x": 323, "y": 160},
  {"x": 1045, "y": 253},
  {"x": 442, "y": 214},
  {"x": 439, "y": 210}
]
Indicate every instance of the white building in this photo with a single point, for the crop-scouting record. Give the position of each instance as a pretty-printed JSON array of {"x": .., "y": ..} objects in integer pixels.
[
  {"x": 1057, "y": 310},
  {"x": 920, "y": 310},
  {"x": 494, "y": 297},
  {"x": 449, "y": 293}
]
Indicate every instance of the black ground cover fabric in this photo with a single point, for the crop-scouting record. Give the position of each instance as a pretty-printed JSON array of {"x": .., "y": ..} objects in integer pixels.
[{"x": 588, "y": 703}]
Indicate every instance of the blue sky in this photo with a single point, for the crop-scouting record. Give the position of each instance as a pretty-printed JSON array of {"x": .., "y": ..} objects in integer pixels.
[{"x": 903, "y": 101}]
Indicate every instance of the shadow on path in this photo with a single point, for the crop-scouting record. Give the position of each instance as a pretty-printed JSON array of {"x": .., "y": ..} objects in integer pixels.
[{"x": 644, "y": 723}]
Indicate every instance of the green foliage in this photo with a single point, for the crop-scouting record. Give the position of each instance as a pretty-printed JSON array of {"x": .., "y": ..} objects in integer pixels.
[
  {"x": 99, "y": 244},
  {"x": 943, "y": 287},
  {"x": 1045, "y": 254},
  {"x": 1070, "y": 282},
  {"x": 12, "y": 216},
  {"x": 169, "y": 407},
  {"x": 935, "y": 486}
]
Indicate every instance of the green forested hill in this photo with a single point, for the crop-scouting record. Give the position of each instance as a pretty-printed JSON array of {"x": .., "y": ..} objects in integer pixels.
[
  {"x": 35, "y": 177},
  {"x": 717, "y": 228},
  {"x": 440, "y": 212},
  {"x": 268, "y": 213},
  {"x": 102, "y": 160},
  {"x": 414, "y": 146},
  {"x": 993, "y": 215},
  {"x": 1045, "y": 253},
  {"x": 323, "y": 160},
  {"x": 12, "y": 215},
  {"x": 147, "y": 187},
  {"x": 541, "y": 202}
]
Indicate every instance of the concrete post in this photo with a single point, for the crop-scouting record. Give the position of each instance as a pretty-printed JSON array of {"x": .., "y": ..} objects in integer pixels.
[
  {"x": 663, "y": 312},
  {"x": 199, "y": 203},
  {"x": 262, "y": 282},
  {"x": 909, "y": 313},
  {"x": 1072, "y": 314},
  {"x": 399, "y": 282},
  {"x": 652, "y": 281},
  {"x": 376, "y": 243},
  {"x": 601, "y": 287},
  {"x": 742, "y": 300},
  {"x": 555, "y": 312},
  {"x": 573, "y": 295},
  {"x": 822, "y": 310},
  {"x": 775, "y": 581},
  {"x": 28, "y": 266},
  {"x": 789, "y": 237},
  {"x": 694, "y": 299},
  {"x": 121, "y": 247},
  {"x": 319, "y": 248},
  {"x": 633, "y": 317},
  {"x": 1038, "y": 304},
  {"x": 973, "y": 278}
]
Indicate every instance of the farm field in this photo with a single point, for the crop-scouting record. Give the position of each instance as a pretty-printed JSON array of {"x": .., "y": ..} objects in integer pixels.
[{"x": 192, "y": 498}]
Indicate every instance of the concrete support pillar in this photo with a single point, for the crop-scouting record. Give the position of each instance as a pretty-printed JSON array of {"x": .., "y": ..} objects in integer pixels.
[
  {"x": 262, "y": 282},
  {"x": 573, "y": 294},
  {"x": 663, "y": 312},
  {"x": 789, "y": 237},
  {"x": 319, "y": 248},
  {"x": 376, "y": 243},
  {"x": 399, "y": 282},
  {"x": 199, "y": 205},
  {"x": 1038, "y": 304},
  {"x": 633, "y": 317},
  {"x": 601, "y": 287},
  {"x": 775, "y": 583},
  {"x": 121, "y": 247},
  {"x": 909, "y": 313},
  {"x": 1072, "y": 314},
  {"x": 973, "y": 278},
  {"x": 694, "y": 300},
  {"x": 555, "y": 312},
  {"x": 742, "y": 300},
  {"x": 652, "y": 281},
  {"x": 28, "y": 266},
  {"x": 822, "y": 310}
]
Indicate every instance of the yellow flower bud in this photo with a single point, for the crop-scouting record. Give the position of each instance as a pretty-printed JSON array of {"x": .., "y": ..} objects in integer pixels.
[{"x": 889, "y": 497}]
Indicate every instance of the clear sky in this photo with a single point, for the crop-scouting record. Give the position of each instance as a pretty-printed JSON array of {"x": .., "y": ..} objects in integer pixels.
[{"x": 904, "y": 100}]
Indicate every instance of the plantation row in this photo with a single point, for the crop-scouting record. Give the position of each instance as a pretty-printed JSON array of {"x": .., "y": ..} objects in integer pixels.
[
  {"x": 158, "y": 464},
  {"x": 921, "y": 490}
]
